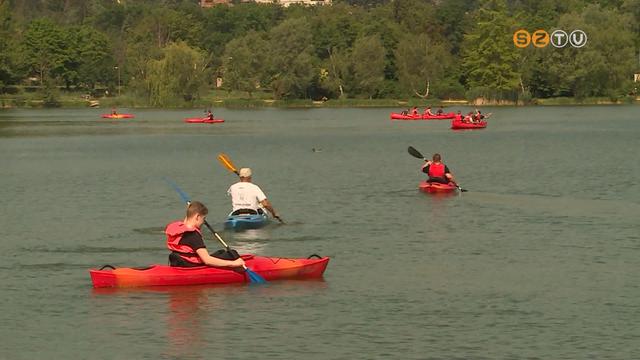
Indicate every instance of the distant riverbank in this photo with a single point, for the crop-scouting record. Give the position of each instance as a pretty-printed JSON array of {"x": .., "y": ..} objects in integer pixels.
[{"x": 232, "y": 100}]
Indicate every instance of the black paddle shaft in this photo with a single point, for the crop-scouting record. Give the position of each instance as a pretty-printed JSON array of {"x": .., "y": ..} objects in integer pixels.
[{"x": 415, "y": 153}]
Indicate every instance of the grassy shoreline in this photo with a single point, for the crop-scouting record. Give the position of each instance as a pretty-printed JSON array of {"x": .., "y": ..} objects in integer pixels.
[{"x": 217, "y": 99}]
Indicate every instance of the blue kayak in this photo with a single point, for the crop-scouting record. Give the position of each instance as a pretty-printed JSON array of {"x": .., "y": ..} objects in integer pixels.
[{"x": 246, "y": 221}]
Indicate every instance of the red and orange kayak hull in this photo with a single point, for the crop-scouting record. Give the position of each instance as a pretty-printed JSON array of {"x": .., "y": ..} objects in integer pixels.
[
  {"x": 117, "y": 116},
  {"x": 270, "y": 268},
  {"x": 434, "y": 187}
]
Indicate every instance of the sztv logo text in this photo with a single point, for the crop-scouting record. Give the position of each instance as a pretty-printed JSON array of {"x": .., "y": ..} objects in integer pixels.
[{"x": 558, "y": 38}]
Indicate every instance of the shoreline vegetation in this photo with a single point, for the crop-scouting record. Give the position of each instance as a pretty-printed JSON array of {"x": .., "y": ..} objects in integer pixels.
[
  {"x": 353, "y": 53},
  {"x": 226, "y": 99}
]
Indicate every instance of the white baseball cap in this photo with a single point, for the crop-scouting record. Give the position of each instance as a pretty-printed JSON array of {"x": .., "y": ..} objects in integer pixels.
[{"x": 245, "y": 172}]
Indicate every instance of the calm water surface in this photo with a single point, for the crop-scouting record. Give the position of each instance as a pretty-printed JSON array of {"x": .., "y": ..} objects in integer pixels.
[{"x": 540, "y": 259}]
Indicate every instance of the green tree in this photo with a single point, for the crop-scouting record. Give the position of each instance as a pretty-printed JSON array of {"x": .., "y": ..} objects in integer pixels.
[
  {"x": 291, "y": 60},
  {"x": 489, "y": 56},
  {"x": 7, "y": 66},
  {"x": 336, "y": 73},
  {"x": 421, "y": 63},
  {"x": 244, "y": 62},
  {"x": 45, "y": 49},
  {"x": 181, "y": 74},
  {"x": 368, "y": 65}
]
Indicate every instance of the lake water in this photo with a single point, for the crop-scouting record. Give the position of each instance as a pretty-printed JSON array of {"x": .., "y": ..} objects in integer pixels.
[{"x": 540, "y": 259}]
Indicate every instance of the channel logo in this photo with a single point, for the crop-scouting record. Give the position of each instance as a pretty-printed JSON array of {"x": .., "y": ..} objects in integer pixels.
[{"x": 558, "y": 39}]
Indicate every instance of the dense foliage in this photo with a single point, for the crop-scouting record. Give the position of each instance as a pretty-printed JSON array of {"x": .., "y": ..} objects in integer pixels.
[{"x": 173, "y": 51}]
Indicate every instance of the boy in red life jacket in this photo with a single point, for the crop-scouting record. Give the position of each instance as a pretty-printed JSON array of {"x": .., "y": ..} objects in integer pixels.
[
  {"x": 437, "y": 171},
  {"x": 184, "y": 239}
]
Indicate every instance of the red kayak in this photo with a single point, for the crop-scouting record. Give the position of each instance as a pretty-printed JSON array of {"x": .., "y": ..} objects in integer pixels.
[
  {"x": 269, "y": 268},
  {"x": 434, "y": 187},
  {"x": 117, "y": 116},
  {"x": 396, "y": 116},
  {"x": 458, "y": 125},
  {"x": 203, "y": 121}
]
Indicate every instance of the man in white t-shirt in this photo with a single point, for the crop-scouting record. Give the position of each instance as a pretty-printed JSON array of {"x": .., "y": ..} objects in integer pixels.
[{"x": 248, "y": 198}]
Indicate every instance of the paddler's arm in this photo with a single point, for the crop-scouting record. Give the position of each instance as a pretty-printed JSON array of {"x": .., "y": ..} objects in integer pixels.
[
  {"x": 214, "y": 261},
  {"x": 267, "y": 205}
]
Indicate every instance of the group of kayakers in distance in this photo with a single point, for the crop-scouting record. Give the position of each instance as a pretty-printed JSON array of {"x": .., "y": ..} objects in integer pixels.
[
  {"x": 427, "y": 111},
  {"x": 471, "y": 117},
  {"x": 184, "y": 238}
]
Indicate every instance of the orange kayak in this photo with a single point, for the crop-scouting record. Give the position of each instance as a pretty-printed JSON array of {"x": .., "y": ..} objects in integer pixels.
[
  {"x": 203, "y": 121},
  {"x": 117, "y": 116},
  {"x": 270, "y": 268},
  {"x": 434, "y": 187}
]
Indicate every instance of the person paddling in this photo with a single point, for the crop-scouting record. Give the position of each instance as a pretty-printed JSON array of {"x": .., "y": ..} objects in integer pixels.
[
  {"x": 184, "y": 239},
  {"x": 437, "y": 171},
  {"x": 113, "y": 111},
  {"x": 440, "y": 111},
  {"x": 478, "y": 116},
  {"x": 427, "y": 111},
  {"x": 248, "y": 198},
  {"x": 415, "y": 111},
  {"x": 209, "y": 115},
  {"x": 458, "y": 117}
]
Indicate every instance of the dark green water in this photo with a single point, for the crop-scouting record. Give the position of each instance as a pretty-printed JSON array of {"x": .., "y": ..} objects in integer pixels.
[{"x": 540, "y": 259}]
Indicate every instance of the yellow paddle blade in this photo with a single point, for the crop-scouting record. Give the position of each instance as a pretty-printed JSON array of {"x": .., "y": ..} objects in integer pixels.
[{"x": 226, "y": 162}]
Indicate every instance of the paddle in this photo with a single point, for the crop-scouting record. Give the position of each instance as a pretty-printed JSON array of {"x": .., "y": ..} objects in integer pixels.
[
  {"x": 253, "y": 277},
  {"x": 417, "y": 154},
  {"x": 226, "y": 162}
]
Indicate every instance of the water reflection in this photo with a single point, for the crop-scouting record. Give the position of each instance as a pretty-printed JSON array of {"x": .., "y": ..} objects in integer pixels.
[{"x": 192, "y": 319}]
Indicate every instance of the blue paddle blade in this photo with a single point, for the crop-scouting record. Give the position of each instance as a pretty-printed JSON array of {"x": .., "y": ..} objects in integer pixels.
[
  {"x": 254, "y": 277},
  {"x": 175, "y": 187}
]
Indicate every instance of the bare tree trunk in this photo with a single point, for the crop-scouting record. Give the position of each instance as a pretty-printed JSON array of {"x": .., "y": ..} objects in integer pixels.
[{"x": 426, "y": 94}]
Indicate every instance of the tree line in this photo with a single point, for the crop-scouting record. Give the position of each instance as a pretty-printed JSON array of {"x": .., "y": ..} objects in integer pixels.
[{"x": 168, "y": 52}]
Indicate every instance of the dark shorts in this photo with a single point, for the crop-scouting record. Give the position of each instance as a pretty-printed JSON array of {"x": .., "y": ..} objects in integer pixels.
[{"x": 438, "y": 180}]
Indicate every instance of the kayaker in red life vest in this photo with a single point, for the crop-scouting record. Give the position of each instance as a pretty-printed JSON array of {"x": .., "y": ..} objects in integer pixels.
[
  {"x": 468, "y": 118},
  {"x": 184, "y": 239},
  {"x": 209, "y": 115},
  {"x": 113, "y": 111},
  {"x": 415, "y": 111},
  {"x": 458, "y": 116},
  {"x": 437, "y": 171}
]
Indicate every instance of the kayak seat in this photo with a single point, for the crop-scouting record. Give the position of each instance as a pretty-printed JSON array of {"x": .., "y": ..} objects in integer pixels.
[{"x": 247, "y": 212}]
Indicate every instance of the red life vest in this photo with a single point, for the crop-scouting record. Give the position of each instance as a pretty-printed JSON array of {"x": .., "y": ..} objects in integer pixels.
[
  {"x": 436, "y": 170},
  {"x": 174, "y": 232},
  {"x": 458, "y": 117}
]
